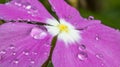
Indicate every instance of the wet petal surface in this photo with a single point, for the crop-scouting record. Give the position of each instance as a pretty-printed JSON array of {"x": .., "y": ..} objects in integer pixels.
[
  {"x": 71, "y": 15},
  {"x": 104, "y": 42},
  {"x": 99, "y": 47},
  {"x": 24, "y": 10},
  {"x": 23, "y": 45}
]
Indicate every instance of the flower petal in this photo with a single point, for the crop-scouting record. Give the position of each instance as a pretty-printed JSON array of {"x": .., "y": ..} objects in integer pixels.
[
  {"x": 65, "y": 11},
  {"x": 104, "y": 42},
  {"x": 70, "y": 14},
  {"x": 90, "y": 52},
  {"x": 71, "y": 56},
  {"x": 23, "y": 45},
  {"x": 25, "y": 10}
]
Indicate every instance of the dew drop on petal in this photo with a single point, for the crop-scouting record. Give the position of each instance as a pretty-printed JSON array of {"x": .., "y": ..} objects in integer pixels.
[
  {"x": 37, "y": 33},
  {"x": 47, "y": 44},
  {"x": 25, "y": 52},
  {"x": 16, "y": 61},
  {"x": 32, "y": 61},
  {"x": 25, "y": 4},
  {"x": 3, "y": 52},
  {"x": 97, "y": 37},
  {"x": 99, "y": 56},
  {"x": 11, "y": 47},
  {"x": 13, "y": 53},
  {"x": 42, "y": 35},
  {"x": 90, "y": 18},
  {"x": 18, "y": 4},
  {"x": 34, "y": 53},
  {"x": 82, "y": 56},
  {"x": 82, "y": 47},
  {"x": 28, "y": 7}
]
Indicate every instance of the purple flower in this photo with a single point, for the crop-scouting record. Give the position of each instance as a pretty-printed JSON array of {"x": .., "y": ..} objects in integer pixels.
[{"x": 80, "y": 42}]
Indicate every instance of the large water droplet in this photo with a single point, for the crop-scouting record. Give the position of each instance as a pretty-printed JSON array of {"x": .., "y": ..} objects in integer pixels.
[
  {"x": 82, "y": 47},
  {"x": 37, "y": 33},
  {"x": 82, "y": 56},
  {"x": 90, "y": 18}
]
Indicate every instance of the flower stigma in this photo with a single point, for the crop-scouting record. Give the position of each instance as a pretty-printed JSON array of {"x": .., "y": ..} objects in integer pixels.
[
  {"x": 65, "y": 31},
  {"x": 63, "y": 28}
]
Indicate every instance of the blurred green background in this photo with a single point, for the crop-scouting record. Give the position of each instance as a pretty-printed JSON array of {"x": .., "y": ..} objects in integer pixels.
[{"x": 108, "y": 11}]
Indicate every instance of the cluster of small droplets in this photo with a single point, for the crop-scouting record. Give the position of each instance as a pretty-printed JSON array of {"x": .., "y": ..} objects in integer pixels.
[
  {"x": 27, "y": 6},
  {"x": 82, "y": 55},
  {"x": 10, "y": 51},
  {"x": 26, "y": 53}
]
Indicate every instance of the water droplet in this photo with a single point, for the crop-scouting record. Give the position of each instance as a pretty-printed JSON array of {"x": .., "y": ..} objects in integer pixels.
[
  {"x": 16, "y": 61},
  {"x": 28, "y": 7},
  {"x": 25, "y": 52},
  {"x": 82, "y": 47},
  {"x": 82, "y": 56},
  {"x": 35, "y": 53},
  {"x": 90, "y": 18},
  {"x": 13, "y": 53},
  {"x": 42, "y": 35},
  {"x": 32, "y": 61},
  {"x": 37, "y": 33},
  {"x": 99, "y": 56},
  {"x": 3, "y": 52},
  {"x": 47, "y": 44},
  {"x": 11, "y": 47},
  {"x": 97, "y": 37},
  {"x": 18, "y": 4}
]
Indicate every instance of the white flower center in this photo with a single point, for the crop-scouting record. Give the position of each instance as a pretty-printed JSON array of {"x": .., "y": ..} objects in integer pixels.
[{"x": 64, "y": 30}]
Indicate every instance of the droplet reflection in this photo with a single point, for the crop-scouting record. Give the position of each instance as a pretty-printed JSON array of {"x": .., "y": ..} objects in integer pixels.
[
  {"x": 90, "y": 18},
  {"x": 82, "y": 47},
  {"x": 82, "y": 56},
  {"x": 37, "y": 33}
]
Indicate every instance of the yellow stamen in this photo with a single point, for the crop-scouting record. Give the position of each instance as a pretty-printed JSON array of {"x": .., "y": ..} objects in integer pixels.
[{"x": 63, "y": 28}]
